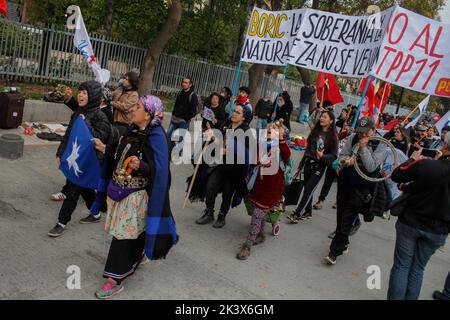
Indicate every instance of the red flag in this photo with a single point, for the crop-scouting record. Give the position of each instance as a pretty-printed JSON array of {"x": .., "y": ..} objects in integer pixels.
[
  {"x": 3, "y": 7},
  {"x": 370, "y": 96},
  {"x": 382, "y": 93},
  {"x": 328, "y": 88},
  {"x": 391, "y": 124}
]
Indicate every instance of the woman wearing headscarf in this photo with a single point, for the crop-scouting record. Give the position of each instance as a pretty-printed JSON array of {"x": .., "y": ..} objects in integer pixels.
[{"x": 138, "y": 216}]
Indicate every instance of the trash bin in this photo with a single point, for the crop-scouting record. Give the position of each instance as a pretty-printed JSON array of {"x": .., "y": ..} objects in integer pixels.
[{"x": 11, "y": 110}]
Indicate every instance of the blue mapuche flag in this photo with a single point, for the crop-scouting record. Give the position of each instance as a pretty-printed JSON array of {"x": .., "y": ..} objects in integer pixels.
[{"x": 79, "y": 161}]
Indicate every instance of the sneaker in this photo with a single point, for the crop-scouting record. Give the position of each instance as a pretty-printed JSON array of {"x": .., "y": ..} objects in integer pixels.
[
  {"x": 206, "y": 218},
  {"x": 294, "y": 217},
  {"x": 57, "y": 230},
  {"x": 331, "y": 235},
  {"x": 437, "y": 295},
  {"x": 335, "y": 205},
  {"x": 330, "y": 259},
  {"x": 109, "y": 289},
  {"x": 244, "y": 252},
  {"x": 144, "y": 261},
  {"x": 306, "y": 215},
  {"x": 260, "y": 238},
  {"x": 220, "y": 222},
  {"x": 90, "y": 219},
  {"x": 58, "y": 196},
  {"x": 318, "y": 205},
  {"x": 355, "y": 228},
  {"x": 346, "y": 249}
]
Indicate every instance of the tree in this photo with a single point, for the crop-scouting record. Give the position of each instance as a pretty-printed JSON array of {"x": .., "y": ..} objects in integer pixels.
[
  {"x": 109, "y": 17},
  {"x": 157, "y": 46}
]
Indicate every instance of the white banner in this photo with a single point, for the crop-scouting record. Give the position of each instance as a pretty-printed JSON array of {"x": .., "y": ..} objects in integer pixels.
[
  {"x": 339, "y": 44},
  {"x": 422, "y": 106},
  {"x": 82, "y": 41},
  {"x": 270, "y": 36},
  {"x": 415, "y": 54}
]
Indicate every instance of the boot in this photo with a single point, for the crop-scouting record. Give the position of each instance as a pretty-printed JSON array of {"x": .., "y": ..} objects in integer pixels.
[
  {"x": 220, "y": 222},
  {"x": 207, "y": 217},
  {"x": 244, "y": 252}
]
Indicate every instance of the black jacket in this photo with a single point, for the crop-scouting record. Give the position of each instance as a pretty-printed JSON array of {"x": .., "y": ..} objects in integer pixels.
[
  {"x": 306, "y": 94},
  {"x": 428, "y": 184},
  {"x": 186, "y": 105},
  {"x": 264, "y": 109},
  {"x": 95, "y": 119}
]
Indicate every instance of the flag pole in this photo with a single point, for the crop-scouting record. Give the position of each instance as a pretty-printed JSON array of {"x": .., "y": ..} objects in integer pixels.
[
  {"x": 411, "y": 113},
  {"x": 361, "y": 101},
  {"x": 426, "y": 133},
  {"x": 235, "y": 85},
  {"x": 381, "y": 104},
  {"x": 279, "y": 91}
]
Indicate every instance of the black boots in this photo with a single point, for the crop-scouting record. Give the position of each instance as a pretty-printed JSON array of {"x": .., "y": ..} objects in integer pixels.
[
  {"x": 220, "y": 222},
  {"x": 207, "y": 217}
]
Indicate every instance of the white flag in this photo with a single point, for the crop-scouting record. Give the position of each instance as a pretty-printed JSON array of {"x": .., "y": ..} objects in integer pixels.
[
  {"x": 422, "y": 106},
  {"x": 82, "y": 41},
  {"x": 443, "y": 122}
]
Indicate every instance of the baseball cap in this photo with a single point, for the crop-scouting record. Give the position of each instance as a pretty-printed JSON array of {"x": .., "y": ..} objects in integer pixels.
[
  {"x": 364, "y": 125},
  {"x": 421, "y": 127}
]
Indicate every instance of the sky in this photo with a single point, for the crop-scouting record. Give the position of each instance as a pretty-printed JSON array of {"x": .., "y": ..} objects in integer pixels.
[{"x": 445, "y": 13}]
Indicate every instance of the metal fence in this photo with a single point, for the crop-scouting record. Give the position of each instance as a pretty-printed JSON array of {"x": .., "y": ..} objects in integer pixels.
[{"x": 48, "y": 54}]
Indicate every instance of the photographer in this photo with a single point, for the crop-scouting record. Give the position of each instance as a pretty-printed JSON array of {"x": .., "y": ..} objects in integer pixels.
[{"x": 423, "y": 225}]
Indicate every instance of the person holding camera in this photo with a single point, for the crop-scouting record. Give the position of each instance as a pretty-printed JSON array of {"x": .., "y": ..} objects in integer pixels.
[{"x": 424, "y": 222}]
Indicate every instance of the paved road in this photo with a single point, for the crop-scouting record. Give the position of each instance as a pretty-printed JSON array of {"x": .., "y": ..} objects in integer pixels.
[{"x": 201, "y": 266}]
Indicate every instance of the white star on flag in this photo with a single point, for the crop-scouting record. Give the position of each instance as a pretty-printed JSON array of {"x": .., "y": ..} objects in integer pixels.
[{"x": 72, "y": 159}]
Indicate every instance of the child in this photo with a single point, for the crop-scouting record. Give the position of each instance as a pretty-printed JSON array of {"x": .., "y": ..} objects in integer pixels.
[
  {"x": 88, "y": 107},
  {"x": 267, "y": 190}
]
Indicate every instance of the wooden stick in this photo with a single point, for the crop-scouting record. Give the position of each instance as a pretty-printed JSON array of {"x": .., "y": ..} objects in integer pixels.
[
  {"x": 195, "y": 171},
  {"x": 426, "y": 133},
  {"x": 409, "y": 114}
]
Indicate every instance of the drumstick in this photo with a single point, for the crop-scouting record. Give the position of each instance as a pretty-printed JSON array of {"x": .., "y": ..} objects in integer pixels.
[{"x": 195, "y": 171}]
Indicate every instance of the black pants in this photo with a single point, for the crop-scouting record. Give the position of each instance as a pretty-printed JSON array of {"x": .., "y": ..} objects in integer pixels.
[
  {"x": 330, "y": 175},
  {"x": 219, "y": 181},
  {"x": 73, "y": 193},
  {"x": 350, "y": 202},
  {"x": 313, "y": 172}
]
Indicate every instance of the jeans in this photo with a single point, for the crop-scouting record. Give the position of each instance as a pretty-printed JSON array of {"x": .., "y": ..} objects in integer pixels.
[
  {"x": 302, "y": 111},
  {"x": 172, "y": 128},
  {"x": 413, "y": 250}
]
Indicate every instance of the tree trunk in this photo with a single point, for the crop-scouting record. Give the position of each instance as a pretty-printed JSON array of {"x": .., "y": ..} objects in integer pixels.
[
  {"x": 255, "y": 78},
  {"x": 108, "y": 17},
  {"x": 445, "y": 103},
  {"x": 157, "y": 46}
]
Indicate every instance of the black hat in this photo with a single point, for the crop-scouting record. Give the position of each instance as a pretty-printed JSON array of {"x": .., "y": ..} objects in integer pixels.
[{"x": 364, "y": 125}]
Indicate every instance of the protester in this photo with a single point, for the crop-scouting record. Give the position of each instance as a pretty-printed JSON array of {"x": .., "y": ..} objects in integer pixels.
[
  {"x": 418, "y": 140},
  {"x": 218, "y": 109},
  {"x": 284, "y": 107},
  {"x": 445, "y": 294},
  {"x": 263, "y": 112},
  {"x": 399, "y": 139},
  {"x": 228, "y": 178},
  {"x": 184, "y": 110},
  {"x": 225, "y": 95},
  {"x": 342, "y": 119},
  {"x": 355, "y": 194},
  {"x": 123, "y": 100},
  {"x": 424, "y": 223},
  {"x": 142, "y": 192},
  {"x": 89, "y": 97},
  {"x": 322, "y": 150},
  {"x": 267, "y": 190},
  {"x": 439, "y": 143},
  {"x": 306, "y": 92}
]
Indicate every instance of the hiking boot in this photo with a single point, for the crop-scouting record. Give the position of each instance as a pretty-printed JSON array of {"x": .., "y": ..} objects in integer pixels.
[
  {"x": 108, "y": 289},
  {"x": 220, "y": 222},
  {"x": 207, "y": 217},
  {"x": 244, "y": 252},
  {"x": 306, "y": 215},
  {"x": 260, "y": 238},
  {"x": 354, "y": 229},
  {"x": 57, "y": 230},
  {"x": 90, "y": 219},
  {"x": 330, "y": 259},
  {"x": 294, "y": 217},
  {"x": 318, "y": 205},
  {"x": 331, "y": 235},
  {"x": 437, "y": 295}
]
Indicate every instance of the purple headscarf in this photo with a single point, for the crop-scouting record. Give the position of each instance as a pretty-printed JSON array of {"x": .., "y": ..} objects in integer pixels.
[{"x": 153, "y": 106}]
